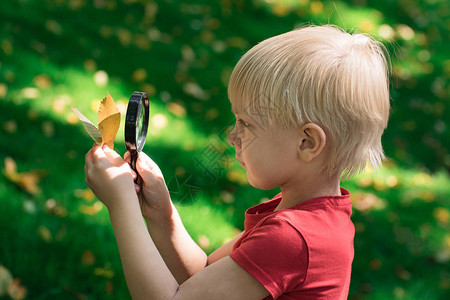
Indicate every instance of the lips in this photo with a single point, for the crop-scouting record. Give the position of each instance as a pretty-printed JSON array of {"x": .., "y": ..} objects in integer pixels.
[{"x": 239, "y": 160}]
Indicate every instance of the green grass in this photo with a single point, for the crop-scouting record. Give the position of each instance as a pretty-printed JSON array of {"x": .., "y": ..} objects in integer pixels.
[{"x": 59, "y": 241}]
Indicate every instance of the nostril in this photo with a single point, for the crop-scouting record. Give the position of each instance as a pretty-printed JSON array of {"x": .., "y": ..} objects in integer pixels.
[{"x": 232, "y": 137}]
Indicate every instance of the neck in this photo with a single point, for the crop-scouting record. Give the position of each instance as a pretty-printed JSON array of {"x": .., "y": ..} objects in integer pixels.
[{"x": 304, "y": 189}]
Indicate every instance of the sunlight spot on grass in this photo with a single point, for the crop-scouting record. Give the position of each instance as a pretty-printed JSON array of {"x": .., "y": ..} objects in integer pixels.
[
  {"x": 386, "y": 32},
  {"x": 316, "y": 7},
  {"x": 405, "y": 32},
  {"x": 101, "y": 78},
  {"x": 95, "y": 104},
  {"x": 30, "y": 93},
  {"x": 159, "y": 121},
  {"x": 366, "y": 202}
]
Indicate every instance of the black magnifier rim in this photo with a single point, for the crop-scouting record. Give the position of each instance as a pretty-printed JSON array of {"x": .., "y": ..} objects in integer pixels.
[{"x": 132, "y": 142}]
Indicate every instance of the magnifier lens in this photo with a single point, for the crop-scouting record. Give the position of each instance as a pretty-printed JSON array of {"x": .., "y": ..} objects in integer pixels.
[
  {"x": 139, "y": 125},
  {"x": 136, "y": 125}
]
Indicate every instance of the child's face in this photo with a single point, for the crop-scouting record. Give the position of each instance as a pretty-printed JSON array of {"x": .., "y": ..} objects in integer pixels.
[{"x": 267, "y": 153}]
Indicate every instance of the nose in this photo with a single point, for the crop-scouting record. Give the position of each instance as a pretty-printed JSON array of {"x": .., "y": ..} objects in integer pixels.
[{"x": 233, "y": 139}]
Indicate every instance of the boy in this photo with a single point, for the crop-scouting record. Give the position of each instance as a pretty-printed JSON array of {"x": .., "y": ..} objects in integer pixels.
[{"x": 310, "y": 106}]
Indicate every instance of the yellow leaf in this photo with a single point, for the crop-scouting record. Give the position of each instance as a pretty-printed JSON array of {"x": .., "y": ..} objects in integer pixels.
[
  {"x": 108, "y": 122},
  {"x": 107, "y": 108},
  {"x": 108, "y": 129}
]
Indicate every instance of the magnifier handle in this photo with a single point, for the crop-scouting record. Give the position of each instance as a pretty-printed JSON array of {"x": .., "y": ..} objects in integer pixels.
[{"x": 134, "y": 156}]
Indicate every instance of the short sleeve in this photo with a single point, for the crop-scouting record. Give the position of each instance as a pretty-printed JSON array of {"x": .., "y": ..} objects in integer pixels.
[{"x": 275, "y": 254}]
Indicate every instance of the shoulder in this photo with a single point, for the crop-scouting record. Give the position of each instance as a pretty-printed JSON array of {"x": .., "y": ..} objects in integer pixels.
[
  {"x": 274, "y": 253},
  {"x": 275, "y": 228}
]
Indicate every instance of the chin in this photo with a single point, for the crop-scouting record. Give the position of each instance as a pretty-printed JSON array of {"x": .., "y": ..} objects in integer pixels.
[{"x": 261, "y": 184}]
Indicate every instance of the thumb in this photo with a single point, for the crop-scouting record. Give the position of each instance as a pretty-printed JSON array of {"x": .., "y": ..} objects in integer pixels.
[{"x": 147, "y": 168}]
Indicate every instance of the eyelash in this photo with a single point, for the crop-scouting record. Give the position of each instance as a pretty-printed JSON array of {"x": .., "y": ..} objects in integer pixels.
[{"x": 243, "y": 123}]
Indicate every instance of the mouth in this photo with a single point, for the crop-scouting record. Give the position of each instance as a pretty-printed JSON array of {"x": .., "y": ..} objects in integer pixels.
[{"x": 242, "y": 163}]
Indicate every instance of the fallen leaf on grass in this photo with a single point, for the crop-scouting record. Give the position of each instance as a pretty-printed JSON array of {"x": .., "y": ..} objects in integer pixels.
[
  {"x": 5, "y": 279},
  {"x": 45, "y": 233},
  {"x": 108, "y": 122},
  {"x": 106, "y": 272},
  {"x": 16, "y": 290},
  {"x": 91, "y": 210},
  {"x": 11, "y": 286},
  {"x": 26, "y": 180},
  {"x": 87, "y": 258}
]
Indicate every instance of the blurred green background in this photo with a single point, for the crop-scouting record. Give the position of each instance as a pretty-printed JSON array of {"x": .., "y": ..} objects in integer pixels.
[{"x": 55, "y": 238}]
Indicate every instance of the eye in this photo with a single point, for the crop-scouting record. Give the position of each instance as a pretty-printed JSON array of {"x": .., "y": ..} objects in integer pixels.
[{"x": 243, "y": 123}]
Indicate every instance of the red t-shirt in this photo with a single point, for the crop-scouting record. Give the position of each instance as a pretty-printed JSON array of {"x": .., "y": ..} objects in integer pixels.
[{"x": 304, "y": 252}]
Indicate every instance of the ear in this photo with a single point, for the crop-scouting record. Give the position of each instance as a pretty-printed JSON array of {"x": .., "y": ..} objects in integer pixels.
[{"x": 312, "y": 142}]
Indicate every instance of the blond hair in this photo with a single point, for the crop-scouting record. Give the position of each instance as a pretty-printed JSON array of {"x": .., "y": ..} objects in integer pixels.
[{"x": 321, "y": 75}]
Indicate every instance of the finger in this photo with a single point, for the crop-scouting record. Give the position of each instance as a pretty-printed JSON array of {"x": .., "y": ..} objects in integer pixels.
[
  {"x": 145, "y": 159},
  {"x": 88, "y": 157},
  {"x": 127, "y": 157},
  {"x": 135, "y": 176},
  {"x": 113, "y": 156},
  {"x": 99, "y": 157},
  {"x": 147, "y": 168}
]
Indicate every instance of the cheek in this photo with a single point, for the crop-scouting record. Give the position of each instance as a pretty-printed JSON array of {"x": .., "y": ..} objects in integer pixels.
[{"x": 269, "y": 168}]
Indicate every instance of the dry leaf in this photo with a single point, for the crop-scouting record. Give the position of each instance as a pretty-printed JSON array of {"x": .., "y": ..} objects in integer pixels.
[
  {"x": 16, "y": 290},
  {"x": 5, "y": 279},
  {"x": 108, "y": 122},
  {"x": 88, "y": 258},
  {"x": 26, "y": 180},
  {"x": 91, "y": 210},
  {"x": 45, "y": 233},
  {"x": 89, "y": 126},
  {"x": 106, "y": 272}
]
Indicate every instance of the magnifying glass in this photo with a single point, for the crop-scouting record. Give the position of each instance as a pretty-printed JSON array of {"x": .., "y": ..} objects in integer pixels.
[{"x": 136, "y": 126}]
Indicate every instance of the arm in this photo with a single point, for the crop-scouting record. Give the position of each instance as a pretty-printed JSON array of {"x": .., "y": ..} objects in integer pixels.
[
  {"x": 181, "y": 254},
  {"x": 223, "y": 251},
  {"x": 146, "y": 273}
]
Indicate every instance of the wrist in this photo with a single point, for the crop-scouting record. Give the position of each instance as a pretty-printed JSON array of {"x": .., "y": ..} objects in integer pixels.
[
  {"x": 162, "y": 221},
  {"x": 123, "y": 202}
]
